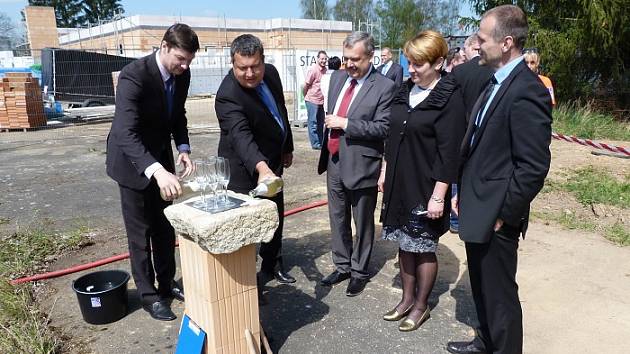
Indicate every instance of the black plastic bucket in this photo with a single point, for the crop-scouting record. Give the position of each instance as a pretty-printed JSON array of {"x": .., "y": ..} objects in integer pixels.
[{"x": 102, "y": 296}]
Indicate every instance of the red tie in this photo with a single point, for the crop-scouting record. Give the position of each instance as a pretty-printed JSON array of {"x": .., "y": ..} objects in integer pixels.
[{"x": 333, "y": 139}]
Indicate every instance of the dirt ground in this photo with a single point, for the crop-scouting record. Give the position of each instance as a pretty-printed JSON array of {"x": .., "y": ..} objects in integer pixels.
[{"x": 574, "y": 285}]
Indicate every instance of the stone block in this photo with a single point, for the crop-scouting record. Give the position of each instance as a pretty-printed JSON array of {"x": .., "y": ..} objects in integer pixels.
[{"x": 228, "y": 231}]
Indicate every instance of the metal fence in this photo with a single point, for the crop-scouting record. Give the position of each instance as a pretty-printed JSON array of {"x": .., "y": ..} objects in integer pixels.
[{"x": 78, "y": 85}]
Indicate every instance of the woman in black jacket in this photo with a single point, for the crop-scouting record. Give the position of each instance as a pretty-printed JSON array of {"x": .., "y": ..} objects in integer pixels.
[{"x": 421, "y": 162}]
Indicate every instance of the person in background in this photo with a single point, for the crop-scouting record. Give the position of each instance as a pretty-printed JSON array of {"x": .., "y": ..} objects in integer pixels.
[
  {"x": 314, "y": 100},
  {"x": 389, "y": 69},
  {"x": 471, "y": 78},
  {"x": 150, "y": 100},
  {"x": 532, "y": 59},
  {"x": 255, "y": 136},
  {"x": 471, "y": 47},
  {"x": 421, "y": 162},
  {"x": 334, "y": 64},
  {"x": 454, "y": 58}
]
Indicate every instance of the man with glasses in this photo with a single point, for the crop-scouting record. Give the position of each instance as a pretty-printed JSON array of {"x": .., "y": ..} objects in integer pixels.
[
  {"x": 356, "y": 126},
  {"x": 454, "y": 58}
]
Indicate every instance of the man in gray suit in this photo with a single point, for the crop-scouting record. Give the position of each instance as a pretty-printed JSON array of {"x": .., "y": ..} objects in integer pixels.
[{"x": 359, "y": 100}]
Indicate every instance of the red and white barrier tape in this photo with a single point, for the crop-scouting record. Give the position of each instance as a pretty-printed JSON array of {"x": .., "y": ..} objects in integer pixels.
[{"x": 591, "y": 143}]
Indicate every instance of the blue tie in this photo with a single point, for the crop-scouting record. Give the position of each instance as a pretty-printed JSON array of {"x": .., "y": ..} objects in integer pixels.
[
  {"x": 265, "y": 94},
  {"x": 169, "y": 94}
]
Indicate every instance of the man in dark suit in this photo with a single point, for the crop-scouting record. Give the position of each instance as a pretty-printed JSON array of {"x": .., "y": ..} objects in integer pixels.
[
  {"x": 506, "y": 158},
  {"x": 359, "y": 100},
  {"x": 471, "y": 77},
  {"x": 255, "y": 134},
  {"x": 150, "y": 99},
  {"x": 389, "y": 69}
]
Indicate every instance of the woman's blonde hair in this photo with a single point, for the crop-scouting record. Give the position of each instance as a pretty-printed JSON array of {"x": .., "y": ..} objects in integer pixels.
[
  {"x": 531, "y": 55},
  {"x": 426, "y": 46}
]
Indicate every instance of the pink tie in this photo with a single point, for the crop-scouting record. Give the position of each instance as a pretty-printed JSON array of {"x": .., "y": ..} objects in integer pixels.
[{"x": 333, "y": 139}]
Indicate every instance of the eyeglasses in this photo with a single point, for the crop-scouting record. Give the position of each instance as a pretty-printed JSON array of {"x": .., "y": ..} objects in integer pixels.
[{"x": 530, "y": 50}]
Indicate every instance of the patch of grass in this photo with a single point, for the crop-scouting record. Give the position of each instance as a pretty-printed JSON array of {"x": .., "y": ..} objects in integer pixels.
[
  {"x": 23, "y": 328},
  {"x": 583, "y": 122},
  {"x": 594, "y": 186},
  {"x": 4, "y": 220},
  {"x": 551, "y": 186},
  {"x": 566, "y": 219},
  {"x": 24, "y": 250},
  {"x": 618, "y": 234}
]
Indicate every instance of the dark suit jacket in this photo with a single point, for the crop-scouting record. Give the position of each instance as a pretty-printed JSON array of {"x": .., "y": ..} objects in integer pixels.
[
  {"x": 141, "y": 131},
  {"x": 471, "y": 79},
  {"x": 507, "y": 164},
  {"x": 395, "y": 73},
  {"x": 361, "y": 145},
  {"x": 249, "y": 132}
]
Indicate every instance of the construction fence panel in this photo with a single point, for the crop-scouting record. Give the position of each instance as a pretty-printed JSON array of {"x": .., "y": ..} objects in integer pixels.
[{"x": 78, "y": 86}]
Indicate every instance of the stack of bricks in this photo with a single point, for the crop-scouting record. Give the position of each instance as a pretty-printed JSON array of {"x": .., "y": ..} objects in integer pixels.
[{"x": 21, "y": 104}]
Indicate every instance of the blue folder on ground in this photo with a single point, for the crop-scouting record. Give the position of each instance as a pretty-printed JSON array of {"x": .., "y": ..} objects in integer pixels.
[{"x": 191, "y": 337}]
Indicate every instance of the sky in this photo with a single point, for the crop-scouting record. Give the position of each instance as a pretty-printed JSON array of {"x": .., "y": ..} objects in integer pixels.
[{"x": 260, "y": 9}]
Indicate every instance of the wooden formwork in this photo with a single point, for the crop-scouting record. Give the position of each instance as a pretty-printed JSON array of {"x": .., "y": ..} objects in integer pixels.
[{"x": 222, "y": 296}]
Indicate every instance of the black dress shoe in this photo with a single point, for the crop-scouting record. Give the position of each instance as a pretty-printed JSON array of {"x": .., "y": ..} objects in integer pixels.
[
  {"x": 334, "y": 278},
  {"x": 177, "y": 292},
  {"x": 174, "y": 291},
  {"x": 283, "y": 277},
  {"x": 160, "y": 310},
  {"x": 464, "y": 348},
  {"x": 356, "y": 286}
]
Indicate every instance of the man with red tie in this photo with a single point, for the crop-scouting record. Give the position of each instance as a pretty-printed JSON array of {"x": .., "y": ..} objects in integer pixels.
[{"x": 352, "y": 150}]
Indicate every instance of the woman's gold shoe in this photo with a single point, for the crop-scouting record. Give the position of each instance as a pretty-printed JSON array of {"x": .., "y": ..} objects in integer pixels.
[
  {"x": 408, "y": 325},
  {"x": 394, "y": 315}
]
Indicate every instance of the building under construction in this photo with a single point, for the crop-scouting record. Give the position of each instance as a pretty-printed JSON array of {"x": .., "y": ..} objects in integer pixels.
[{"x": 138, "y": 35}]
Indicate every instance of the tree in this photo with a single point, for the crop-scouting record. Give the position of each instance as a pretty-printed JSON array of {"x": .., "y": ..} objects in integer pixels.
[
  {"x": 76, "y": 13},
  {"x": 100, "y": 10},
  {"x": 441, "y": 15},
  {"x": 315, "y": 9},
  {"x": 7, "y": 32},
  {"x": 67, "y": 12},
  {"x": 358, "y": 12},
  {"x": 582, "y": 44},
  {"x": 400, "y": 20}
]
